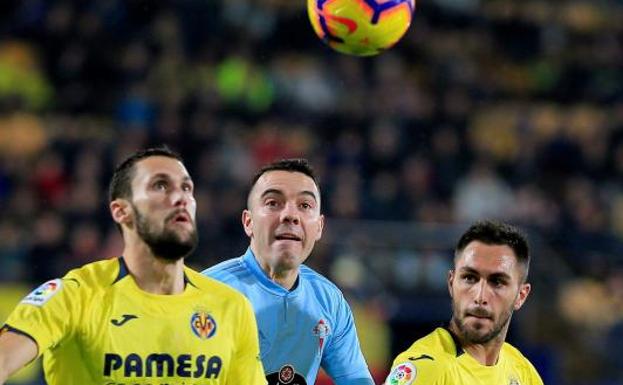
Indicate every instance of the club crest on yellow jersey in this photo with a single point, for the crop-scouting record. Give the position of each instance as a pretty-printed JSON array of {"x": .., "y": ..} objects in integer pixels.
[{"x": 203, "y": 324}]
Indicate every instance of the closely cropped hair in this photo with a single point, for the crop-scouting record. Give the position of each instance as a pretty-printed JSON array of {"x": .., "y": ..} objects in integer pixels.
[
  {"x": 497, "y": 233},
  {"x": 294, "y": 165},
  {"x": 121, "y": 181}
]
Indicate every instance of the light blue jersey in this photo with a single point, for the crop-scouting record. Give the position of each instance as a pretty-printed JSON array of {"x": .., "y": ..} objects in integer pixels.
[{"x": 300, "y": 330}]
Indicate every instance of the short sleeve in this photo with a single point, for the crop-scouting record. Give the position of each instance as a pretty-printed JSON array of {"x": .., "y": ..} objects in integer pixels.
[
  {"x": 342, "y": 358},
  {"x": 411, "y": 368},
  {"x": 247, "y": 365},
  {"x": 47, "y": 315},
  {"x": 533, "y": 376}
]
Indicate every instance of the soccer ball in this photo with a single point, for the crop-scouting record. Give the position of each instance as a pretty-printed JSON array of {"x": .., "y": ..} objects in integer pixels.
[{"x": 360, "y": 27}]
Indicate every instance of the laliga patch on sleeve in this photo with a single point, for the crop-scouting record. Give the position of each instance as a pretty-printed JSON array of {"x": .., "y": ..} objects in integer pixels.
[
  {"x": 403, "y": 374},
  {"x": 43, "y": 293}
]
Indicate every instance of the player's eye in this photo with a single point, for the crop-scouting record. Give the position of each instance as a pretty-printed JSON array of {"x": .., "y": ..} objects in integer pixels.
[
  {"x": 187, "y": 187},
  {"x": 498, "y": 282},
  {"x": 161, "y": 185},
  {"x": 271, "y": 203},
  {"x": 306, "y": 206},
  {"x": 470, "y": 278}
]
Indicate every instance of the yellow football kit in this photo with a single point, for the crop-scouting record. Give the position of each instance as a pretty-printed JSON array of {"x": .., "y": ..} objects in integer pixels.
[
  {"x": 96, "y": 326},
  {"x": 437, "y": 359}
]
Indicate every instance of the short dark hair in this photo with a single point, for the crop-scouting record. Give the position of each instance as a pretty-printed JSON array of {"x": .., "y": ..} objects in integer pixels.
[
  {"x": 293, "y": 165},
  {"x": 497, "y": 233},
  {"x": 121, "y": 181}
]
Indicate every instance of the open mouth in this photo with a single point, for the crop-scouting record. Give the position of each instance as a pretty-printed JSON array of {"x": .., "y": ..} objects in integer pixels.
[
  {"x": 180, "y": 218},
  {"x": 287, "y": 237}
]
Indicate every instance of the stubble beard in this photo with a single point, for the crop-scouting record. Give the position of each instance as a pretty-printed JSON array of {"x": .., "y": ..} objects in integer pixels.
[
  {"x": 471, "y": 335},
  {"x": 166, "y": 244}
]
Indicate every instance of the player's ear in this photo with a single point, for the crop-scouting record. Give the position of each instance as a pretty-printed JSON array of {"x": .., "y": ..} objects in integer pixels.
[
  {"x": 320, "y": 227},
  {"x": 247, "y": 222},
  {"x": 524, "y": 290},
  {"x": 121, "y": 211},
  {"x": 450, "y": 281}
]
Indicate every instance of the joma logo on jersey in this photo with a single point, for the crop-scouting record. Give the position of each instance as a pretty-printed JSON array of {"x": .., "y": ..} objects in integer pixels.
[
  {"x": 162, "y": 365},
  {"x": 203, "y": 325}
]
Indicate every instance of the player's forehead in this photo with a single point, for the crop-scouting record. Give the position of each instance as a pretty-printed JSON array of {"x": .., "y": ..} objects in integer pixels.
[
  {"x": 487, "y": 259},
  {"x": 159, "y": 166},
  {"x": 286, "y": 183}
]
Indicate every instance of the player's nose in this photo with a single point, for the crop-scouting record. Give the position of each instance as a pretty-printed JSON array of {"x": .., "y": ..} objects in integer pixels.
[
  {"x": 290, "y": 214},
  {"x": 481, "y": 295}
]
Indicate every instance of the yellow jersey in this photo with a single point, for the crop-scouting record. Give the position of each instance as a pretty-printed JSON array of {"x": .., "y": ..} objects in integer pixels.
[
  {"x": 96, "y": 326},
  {"x": 437, "y": 359}
]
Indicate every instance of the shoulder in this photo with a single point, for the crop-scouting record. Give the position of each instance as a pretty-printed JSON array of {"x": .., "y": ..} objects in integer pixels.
[
  {"x": 426, "y": 361},
  {"x": 94, "y": 275},
  {"x": 318, "y": 282},
  {"x": 438, "y": 345},
  {"x": 519, "y": 361},
  {"x": 227, "y": 271},
  {"x": 213, "y": 287},
  {"x": 79, "y": 283}
]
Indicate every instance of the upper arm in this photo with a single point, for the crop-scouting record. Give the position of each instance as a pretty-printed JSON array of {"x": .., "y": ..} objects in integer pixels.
[
  {"x": 412, "y": 367},
  {"x": 16, "y": 351},
  {"x": 247, "y": 367},
  {"x": 343, "y": 359}
]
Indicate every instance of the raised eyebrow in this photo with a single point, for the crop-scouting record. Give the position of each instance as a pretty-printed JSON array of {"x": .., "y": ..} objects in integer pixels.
[
  {"x": 466, "y": 269},
  {"x": 280, "y": 193},
  {"x": 162, "y": 175},
  {"x": 271, "y": 191},
  {"x": 500, "y": 275},
  {"x": 310, "y": 194}
]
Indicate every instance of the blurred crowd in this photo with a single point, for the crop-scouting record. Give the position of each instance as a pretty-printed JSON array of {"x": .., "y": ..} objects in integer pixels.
[{"x": 504, "y": 109}]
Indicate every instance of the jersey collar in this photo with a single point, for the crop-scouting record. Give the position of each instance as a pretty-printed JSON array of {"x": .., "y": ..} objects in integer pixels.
[
  {"x": 250, "y": 262},
  {"x": 123, "y": 272},
  {"x": 455, "y": 339}
]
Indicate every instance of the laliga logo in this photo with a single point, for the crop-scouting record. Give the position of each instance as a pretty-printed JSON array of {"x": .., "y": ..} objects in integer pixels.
[
  {"x": 46, "y": 288},
  {"x": 203, "y": 325}
]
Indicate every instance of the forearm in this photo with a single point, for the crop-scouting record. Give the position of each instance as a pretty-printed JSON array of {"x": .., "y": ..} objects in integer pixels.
[{"x": 16, "y": 351}]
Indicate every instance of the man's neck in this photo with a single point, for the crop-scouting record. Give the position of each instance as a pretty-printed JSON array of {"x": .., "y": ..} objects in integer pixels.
[
  {"x": 486, "y": 353},
  {"x": 152, "y": 274},
  {"x": 284, "y": 278}
]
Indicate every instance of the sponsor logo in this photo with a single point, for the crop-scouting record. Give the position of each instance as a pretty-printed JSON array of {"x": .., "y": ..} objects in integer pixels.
[
  {"x": 43, "y": 293},
  {"x": 322, "y": 331},
  {"x": 124, "y": 318},
  {"x": 162, "y": 365},
  {"x": 203, "y": 325},
  {"x": 422, "y": 357},
  {"x": 287, "y": 375},
  {"x": 514, "y": 381},
  {"x": 403, "y": 374}
]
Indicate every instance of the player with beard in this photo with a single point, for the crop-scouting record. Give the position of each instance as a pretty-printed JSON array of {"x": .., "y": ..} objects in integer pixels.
[
  {"x": 488, "y": 283},
  {"x": 144, "y": 317}
]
